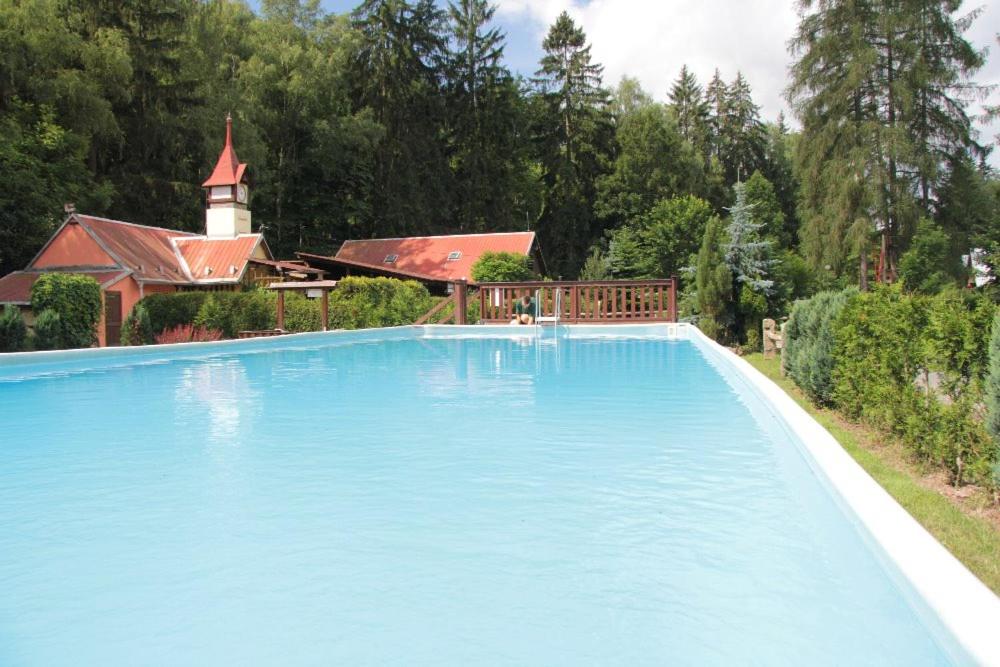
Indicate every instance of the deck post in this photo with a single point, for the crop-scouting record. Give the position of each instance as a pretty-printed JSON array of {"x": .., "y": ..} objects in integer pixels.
[
  {"x": 324, "y": 306},
  {"x": 574, "y": 303},
  {"x": 461, "y": 301},
  {"x": 672, "y": 300}
]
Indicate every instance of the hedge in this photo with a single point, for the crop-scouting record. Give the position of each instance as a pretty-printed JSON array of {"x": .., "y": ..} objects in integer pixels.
[
  {"x": 137, "y": 330},
  {"x": 360, "y": 303},
  {"x": 48, "y": 331},
  {"x": 76, "y": 299},
  {"x": 13, "y": 330},
  {"x": 913, "y": 366},
  {"x": 171, "y": 309},
  {"x": 357, "y": 302}
]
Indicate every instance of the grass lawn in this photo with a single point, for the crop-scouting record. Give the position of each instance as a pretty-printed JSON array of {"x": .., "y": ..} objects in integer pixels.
[{"x": 973, "y": 540}]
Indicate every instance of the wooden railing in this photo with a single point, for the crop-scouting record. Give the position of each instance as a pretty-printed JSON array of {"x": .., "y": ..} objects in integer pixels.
[{"x": 604, "y": 302}]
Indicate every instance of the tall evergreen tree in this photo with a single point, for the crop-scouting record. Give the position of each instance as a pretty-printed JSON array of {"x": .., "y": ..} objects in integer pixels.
[
  {"x": 486, "y": 149},
  {"x": 574, "y": 137},
  {"x": 397, "y": 74},
  {"x": 691, "y": 110}
]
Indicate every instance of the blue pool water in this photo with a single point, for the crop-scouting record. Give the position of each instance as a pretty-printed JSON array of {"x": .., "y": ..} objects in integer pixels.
[{"x": 427, "y": 501}]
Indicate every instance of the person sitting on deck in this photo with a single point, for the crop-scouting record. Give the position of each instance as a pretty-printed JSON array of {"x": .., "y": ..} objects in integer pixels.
[{"x": 524, "y": 310}]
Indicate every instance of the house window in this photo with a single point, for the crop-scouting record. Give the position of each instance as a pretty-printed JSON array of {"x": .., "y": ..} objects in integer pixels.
[
  {"x": 389, "y": 259},
  {"x": 455, "y": 254}
]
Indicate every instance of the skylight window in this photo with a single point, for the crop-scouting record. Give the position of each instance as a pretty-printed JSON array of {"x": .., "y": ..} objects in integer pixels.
[
  {"x": 389, "y": 259},
  {"x": 455, "y": 254}
]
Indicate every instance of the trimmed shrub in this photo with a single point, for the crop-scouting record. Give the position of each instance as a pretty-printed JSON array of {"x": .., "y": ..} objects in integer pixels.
[
  {"x": 302, "y": 314},
  {"x": 808, "y": 354},
  {"x": 360, "y": 303},
  {"x": 136, "y": 330},
  {"x": 77, "y": 301},
  {"x": 232, "y": 312},
  {"x": 170, "y": 309},
  {"x": 48, "y": 331},
  {"x": 914, "y": 366},
  {"x": 13, "y": 330},
  {"x": 502, "y": 267}
]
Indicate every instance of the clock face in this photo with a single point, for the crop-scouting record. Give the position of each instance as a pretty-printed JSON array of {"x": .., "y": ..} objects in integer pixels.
[{"x": 241, "y": 193}]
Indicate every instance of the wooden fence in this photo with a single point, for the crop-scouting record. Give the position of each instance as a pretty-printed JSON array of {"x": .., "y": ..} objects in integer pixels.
[{"x": 576, "y": 302}]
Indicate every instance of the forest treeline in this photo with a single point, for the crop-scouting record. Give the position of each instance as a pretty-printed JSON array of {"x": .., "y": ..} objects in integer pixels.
[{"x": 402, "y": 118}]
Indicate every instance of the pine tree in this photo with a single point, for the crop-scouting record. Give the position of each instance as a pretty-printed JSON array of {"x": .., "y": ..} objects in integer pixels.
[
  {"x": 714, "y": 282},
  {"x": 717, "y": 100},
  {"x": 746, "y": 253},
  {"x": 741, "y": 134},
  {"x": 574, "y": 136},
  {"x": 691, "y": 110}
]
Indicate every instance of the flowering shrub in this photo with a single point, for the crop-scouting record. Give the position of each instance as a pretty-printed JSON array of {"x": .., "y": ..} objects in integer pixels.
[{"x": 188, "y": 333}]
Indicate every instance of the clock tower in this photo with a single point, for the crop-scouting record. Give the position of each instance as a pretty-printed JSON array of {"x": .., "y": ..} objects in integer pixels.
[{"x": 227, "y": 193}]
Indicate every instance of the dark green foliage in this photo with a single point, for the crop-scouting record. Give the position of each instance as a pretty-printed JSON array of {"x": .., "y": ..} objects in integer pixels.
[
  {"x": 992, "y": 390},
  {"x": 233, "y": 312},
  {"x": 171, "y": 309},
  {"x": 47, "y": 331},
  {"x": 574, "y": 135},
  {"x": 659, "y": 243},
  {"x": 361, "y": 303},
  {"x": 915, "y": 367},
  {"x": 302, "y": 313},
  {"x": 13, "y": 330},
  {"x": 714, "y": 283},
  {"x": 502, "y": 267},
  {"x": 809, "y": 342},
  {"x": 76, "y": 299},
  {"x": 597, "y": 266},
  {"x": 930, "y": 263},
  {"x": 137, "y": 330}
]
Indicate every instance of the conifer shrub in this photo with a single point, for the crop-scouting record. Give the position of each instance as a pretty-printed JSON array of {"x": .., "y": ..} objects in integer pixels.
[
  {"x": 76, "y": 299},
  {"x": 13, "y": 330},
  {"x": 808, "y": 354},
  {"x": 137, "y": 330},
  {"x": 48, "y": 331}
]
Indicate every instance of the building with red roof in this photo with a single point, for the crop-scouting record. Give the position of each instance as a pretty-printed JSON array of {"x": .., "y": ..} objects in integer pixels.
[
  {"x": 434, "y": 260},
  {"x": 130, "y": 261}
]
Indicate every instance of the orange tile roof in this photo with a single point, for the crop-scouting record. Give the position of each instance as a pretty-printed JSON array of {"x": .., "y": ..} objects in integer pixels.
[
  {"x": 228, "y": 169},
  {"x": 146, "y": 251},
  {"x": 16, "y": 287},
  {"x": 213, "y": 259},
  {"x": 427, "y": 256}
]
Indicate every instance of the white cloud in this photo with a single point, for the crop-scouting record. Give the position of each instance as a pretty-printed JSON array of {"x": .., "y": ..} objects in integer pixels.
[{"x": 651, "y": 39}]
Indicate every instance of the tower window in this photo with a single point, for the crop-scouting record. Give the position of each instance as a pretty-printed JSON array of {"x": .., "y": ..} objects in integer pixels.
[
  {"x": 454, "y": 255},
  {"x": 389, "y": 259}
]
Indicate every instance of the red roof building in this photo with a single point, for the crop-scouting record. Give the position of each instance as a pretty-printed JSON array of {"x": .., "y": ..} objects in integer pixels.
[
  {"x": 437, "y": 260},
  {"x": 130, "y": 261}
]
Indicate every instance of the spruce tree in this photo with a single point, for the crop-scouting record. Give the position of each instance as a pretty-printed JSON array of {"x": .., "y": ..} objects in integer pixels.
[
  {"x": 691, "y": 110},
  {"x": 397, "y": 74},
  {"x": 485, "y": 150},
  {"x": 574, "y": 136},
  {"x": 714, "y": 282}
]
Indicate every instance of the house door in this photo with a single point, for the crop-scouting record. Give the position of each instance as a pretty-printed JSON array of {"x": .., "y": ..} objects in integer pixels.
[{"x": 112, "y": 318}]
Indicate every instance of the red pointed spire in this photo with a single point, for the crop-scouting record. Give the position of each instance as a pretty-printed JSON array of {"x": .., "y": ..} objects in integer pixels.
[{"x": 228, "y": 170}]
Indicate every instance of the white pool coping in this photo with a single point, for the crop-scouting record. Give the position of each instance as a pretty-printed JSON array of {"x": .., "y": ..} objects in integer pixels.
[{"x": 965, "y": 608}]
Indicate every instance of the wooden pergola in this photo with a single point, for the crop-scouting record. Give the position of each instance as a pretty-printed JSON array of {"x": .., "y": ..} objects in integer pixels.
[{"x": 322, "y": 286}]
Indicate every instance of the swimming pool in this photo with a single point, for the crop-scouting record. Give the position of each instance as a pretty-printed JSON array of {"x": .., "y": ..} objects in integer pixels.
[{"x": 429, "y": 496}]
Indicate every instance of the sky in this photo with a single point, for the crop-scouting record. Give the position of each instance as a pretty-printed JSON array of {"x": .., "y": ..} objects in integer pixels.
[{"x": 651, "y": 39}]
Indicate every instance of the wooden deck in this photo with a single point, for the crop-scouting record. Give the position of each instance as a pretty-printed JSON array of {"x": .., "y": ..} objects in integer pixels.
[{"x": 582, "y": 302}]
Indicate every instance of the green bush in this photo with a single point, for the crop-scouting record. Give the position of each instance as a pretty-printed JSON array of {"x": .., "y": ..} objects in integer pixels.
[
  {"x": 48, "y": 331},
  {"x": 930, "y": 264},
  {"x": 232, "y": 312},
  {"x": 137, "y": 330},
  {"x": 302, "y": 314},
  {"x": 169, "y": 310},
  {"x": 13, "y": 330},
  {"x": 914, "y": 366},
  {"x": 808, "y": 355},
  {"x": 502, "y": 267},
  {"x": 77, "y": 301},
  {"x": 359, "y": 303}
]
